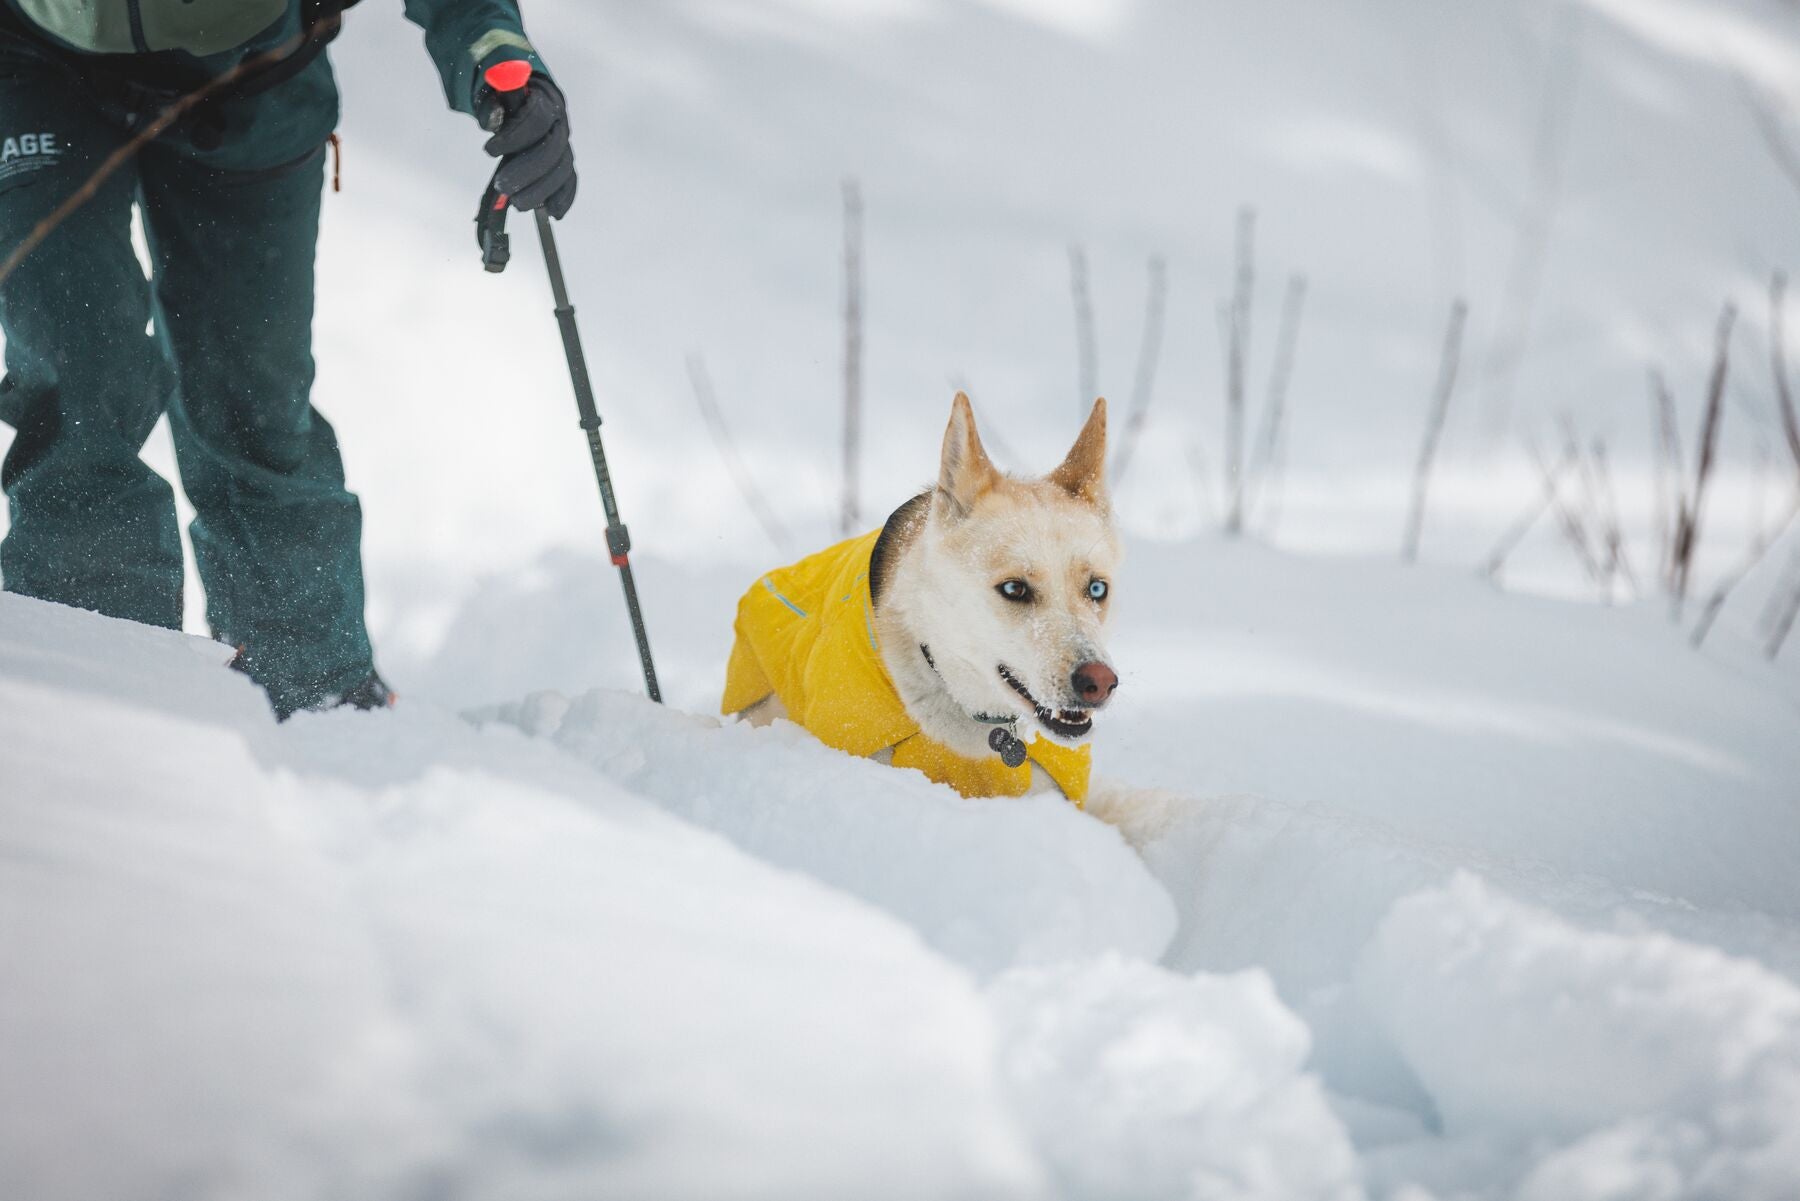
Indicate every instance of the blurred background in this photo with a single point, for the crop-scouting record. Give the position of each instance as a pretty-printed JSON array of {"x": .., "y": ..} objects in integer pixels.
[{"x": 1044, "y": 200}]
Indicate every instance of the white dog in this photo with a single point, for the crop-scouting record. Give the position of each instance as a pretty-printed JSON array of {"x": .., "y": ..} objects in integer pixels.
[{"x": 964, "y": 638}]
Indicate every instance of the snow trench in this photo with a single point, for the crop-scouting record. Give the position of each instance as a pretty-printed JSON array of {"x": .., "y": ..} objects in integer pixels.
[{"x": 587, "y": 946}]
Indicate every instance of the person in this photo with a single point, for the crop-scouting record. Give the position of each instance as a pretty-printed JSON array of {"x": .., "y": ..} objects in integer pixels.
[{"x": 219, "y": 336}]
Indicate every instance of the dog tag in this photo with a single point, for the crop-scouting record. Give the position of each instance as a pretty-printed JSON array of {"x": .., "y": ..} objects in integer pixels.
[{"x": 1011, "y": 750}]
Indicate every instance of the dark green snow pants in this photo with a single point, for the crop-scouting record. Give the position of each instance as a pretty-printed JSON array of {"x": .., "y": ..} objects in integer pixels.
[{"x": 219, "y": 337}]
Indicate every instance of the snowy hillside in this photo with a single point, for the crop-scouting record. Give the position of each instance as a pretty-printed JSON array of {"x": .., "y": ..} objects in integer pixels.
[
  {"x": 1451, "y": 895},
  {"x": 1588, "y": 174},
  {"x": 1396, "y": 155}
]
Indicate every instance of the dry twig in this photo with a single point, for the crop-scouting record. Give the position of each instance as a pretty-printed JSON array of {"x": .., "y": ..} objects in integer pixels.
[
  {"x": 728, "y": 451},
  {"x": 1591, "y": 515},
  {"x": 1568, "y": 518},
  {"x": 1687, "y": 527},
  {"x": 1434, "y": 429},
  {"x": 1759, "y": 549},
  {"x": 1606, "y": 503},
  {"x": 850, "y": 519},
  {"x": 1784, "y": 610},
  {"x": 1784, "y": 392},
  {"x": 1238, "y": 354},
  {"x": 1515, "y": 534},
  {"x": 1266, "y": 466},
  {"x": 1666, "y": 484}
]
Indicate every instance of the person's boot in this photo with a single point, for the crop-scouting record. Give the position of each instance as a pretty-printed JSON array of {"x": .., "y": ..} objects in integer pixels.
[{"x": 371, "y": 692}]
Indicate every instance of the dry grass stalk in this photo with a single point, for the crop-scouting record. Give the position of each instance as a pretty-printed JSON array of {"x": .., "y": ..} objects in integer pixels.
[
  {"x": 1659, "y": 486},
  {"x": 1784, "y": 392},
  {"x": 1592, "y": 513},
  {"x": 1265, "y": 473},
  {"x": 1687, "y": 527},
  {"x": 1785, "y": 610},
  {"x": 1237, "y": 364},
  {"x": 1618, "y": 557},
  {"x": 1515, "y": 534},
  {"x": 1434, "y": 429},
  {"x": 1671, "y": 495},
  {"x": 1759, "y": 490},
  {"x": 753, "y": 496},
  {"x": 1568, "y": 518},
  {"x": 1760, "y": 545},
  {"x": 850, "y": 519}
]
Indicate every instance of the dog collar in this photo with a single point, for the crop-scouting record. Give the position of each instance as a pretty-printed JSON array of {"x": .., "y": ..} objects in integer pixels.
[{"x": 1003, "y": 739}]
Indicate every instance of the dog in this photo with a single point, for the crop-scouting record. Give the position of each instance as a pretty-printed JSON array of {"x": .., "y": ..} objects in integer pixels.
[{"x": 965, "y": 638}]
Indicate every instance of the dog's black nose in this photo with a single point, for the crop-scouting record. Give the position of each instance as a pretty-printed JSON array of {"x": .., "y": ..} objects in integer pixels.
[{"x": 1094, "y": 683}]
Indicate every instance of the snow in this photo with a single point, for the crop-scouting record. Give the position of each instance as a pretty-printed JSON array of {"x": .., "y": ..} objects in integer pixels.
[
  {"x": 1456, "y": 895},
  {"x": 1395, "y": 885},
  {"x": 392, "y": 956},
  {"x": 1010, "y": 883},
  {"x": 1144, "y": 1083},
  {"x": 1650, "y": 1067}
]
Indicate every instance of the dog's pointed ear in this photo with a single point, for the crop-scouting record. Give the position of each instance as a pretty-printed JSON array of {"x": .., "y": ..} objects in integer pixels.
[
  {"x": 1083, "y": 474},
  {"x": 966, "y": 473}
]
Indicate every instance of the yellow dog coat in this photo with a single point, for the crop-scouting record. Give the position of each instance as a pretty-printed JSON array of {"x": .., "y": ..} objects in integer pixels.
[{"x": 806, "y": 633}]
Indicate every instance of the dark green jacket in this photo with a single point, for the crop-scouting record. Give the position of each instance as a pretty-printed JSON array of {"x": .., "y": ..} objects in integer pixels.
[{"x": 170, "y": 43}]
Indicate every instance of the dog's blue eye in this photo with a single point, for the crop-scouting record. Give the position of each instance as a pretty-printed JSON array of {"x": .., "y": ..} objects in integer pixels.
[
  {"x": 1015, "y": 590},
  {"x": 1097, "y": 589}
]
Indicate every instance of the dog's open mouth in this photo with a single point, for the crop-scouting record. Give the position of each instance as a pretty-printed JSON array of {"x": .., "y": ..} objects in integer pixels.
[{"x": 1064, "y": 723}]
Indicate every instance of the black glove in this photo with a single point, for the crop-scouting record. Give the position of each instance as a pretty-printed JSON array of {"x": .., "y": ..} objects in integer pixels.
[{"x": 537, "y": 167}]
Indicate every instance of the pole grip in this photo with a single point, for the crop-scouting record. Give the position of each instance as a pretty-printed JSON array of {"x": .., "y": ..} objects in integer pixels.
[
  {"x": 507, "y": 81},
  {"x": 490, "y": 229}
]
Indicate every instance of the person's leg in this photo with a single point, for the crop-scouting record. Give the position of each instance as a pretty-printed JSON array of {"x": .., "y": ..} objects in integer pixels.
[
  {"x": 276, "y": 535},
  {"x": 91, "y": 524}
]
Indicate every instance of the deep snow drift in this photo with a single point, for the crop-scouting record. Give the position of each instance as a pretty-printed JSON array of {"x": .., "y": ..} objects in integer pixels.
[{"x": 1441, "y": 894}]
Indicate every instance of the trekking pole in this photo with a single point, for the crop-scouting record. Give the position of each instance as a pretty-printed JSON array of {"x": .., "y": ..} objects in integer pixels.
[{"x": 508, "y": 81}]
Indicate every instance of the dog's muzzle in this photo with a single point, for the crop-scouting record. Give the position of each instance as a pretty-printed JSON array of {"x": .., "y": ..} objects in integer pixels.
[{"x": 1064, "y": 723}]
